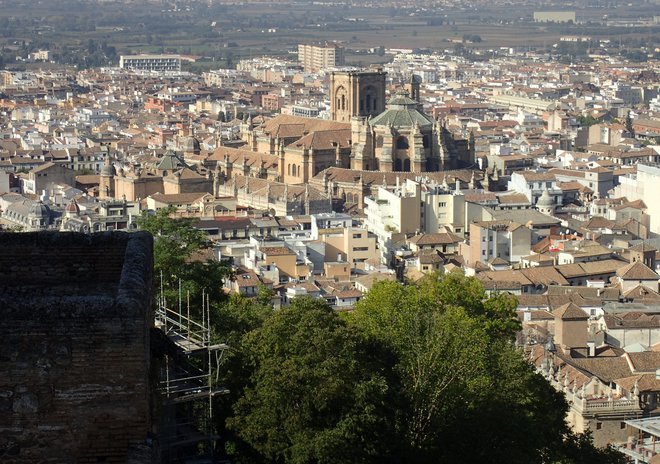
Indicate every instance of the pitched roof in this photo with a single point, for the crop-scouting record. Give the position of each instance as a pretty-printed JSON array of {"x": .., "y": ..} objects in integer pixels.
[
  {"x": 302, "y": 125},
  {"x": 642, "y": 247},
  {"x": 434, "y": 239},
  {"x": 324, "y": 140},
  {"x": 570, "y": 312},
  {"x": 637, "y": 271}
]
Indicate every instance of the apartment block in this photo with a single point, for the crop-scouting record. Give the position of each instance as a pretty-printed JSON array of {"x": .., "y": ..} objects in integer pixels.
[
  {"x": 314, "y": 58},
  {"x": 157, "y": 63}
]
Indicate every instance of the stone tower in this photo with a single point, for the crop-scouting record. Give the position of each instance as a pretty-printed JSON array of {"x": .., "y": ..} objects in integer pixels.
[
  {"x": 412, "y": 87},
  {"x": 107, "y": 180},
  {"x": 571, "y": 327},
  {"x": 644, "y": 253},
  {"x": 356, "y": 93}
]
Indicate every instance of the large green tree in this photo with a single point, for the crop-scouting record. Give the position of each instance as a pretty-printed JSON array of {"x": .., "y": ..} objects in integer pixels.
[
  {"x": 422, "y": 373},
  {"x": 467, "y": 393},
  {"x": 318, "y": 391}
]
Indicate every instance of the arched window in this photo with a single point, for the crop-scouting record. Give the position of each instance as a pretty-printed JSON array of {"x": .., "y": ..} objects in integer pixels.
[
  {"x": 402, "y": 143},
  {"x": 299, "y": 171},
  {"x": 343, "y": 102},
  {"x": 425, "y": 141},
  {"x": 288, "y": 170},
  {"x": 397, "y": 165},
  {"x": 406, "y": 165},
  {"x": 293, "y": 170}
]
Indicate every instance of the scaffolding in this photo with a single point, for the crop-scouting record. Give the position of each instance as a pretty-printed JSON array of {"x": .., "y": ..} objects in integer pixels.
[{"x": 187, "y": 382}]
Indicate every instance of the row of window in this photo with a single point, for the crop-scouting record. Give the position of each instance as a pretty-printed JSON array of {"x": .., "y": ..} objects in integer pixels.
[{"x": 293, "y": 170}]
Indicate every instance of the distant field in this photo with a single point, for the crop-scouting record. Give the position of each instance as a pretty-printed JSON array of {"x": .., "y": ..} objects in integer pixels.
[{"x": 74, "y": 29}]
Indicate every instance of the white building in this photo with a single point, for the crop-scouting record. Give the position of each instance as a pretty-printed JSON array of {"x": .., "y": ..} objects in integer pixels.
[
  {"x": 157, "y": 63},
  {"x": 532, "y": 184}
]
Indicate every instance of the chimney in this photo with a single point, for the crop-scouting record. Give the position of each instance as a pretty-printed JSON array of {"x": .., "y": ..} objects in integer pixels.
[{"x": 591, "y": 346}]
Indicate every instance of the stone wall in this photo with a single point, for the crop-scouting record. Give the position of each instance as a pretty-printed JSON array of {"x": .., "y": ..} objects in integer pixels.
[{"x": 75, "y": 313}]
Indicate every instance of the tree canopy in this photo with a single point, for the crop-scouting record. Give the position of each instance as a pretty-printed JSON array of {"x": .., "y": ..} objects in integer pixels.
[
  {"x": 419, "y": 373},
  {"x": 179, "y": 256}
]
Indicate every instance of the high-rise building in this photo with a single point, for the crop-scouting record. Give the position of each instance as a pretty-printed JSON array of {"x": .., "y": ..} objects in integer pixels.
[{"x": 315, "y": 58}]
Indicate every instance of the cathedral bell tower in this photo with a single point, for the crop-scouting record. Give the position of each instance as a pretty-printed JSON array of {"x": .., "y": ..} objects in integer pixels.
[{"x": 356, "y": 93}]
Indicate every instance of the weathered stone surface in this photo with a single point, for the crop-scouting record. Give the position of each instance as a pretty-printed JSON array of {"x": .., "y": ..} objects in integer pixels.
[{"x": 75, "y": 318}]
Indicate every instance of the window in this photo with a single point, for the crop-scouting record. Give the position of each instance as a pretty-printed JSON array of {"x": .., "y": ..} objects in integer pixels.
[
  {"x": 360, "y": 248},
  {"x": 483, "y": 239},
  {"x": 622, "y": 425},
  {"x": 357, "y": 235},
  {"x": 442, "y": 204},
  {"x": 402, "y": 143},
  {"x": 483, "y": 252},
  {"x": 599, "y": 425}
]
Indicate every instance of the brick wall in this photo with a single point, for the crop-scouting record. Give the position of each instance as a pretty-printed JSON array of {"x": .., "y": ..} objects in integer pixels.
[{"x": 75, "y": 312}]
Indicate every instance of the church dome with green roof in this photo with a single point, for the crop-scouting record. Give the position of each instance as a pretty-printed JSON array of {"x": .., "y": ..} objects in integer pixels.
[{"x": 402, "y": 112}]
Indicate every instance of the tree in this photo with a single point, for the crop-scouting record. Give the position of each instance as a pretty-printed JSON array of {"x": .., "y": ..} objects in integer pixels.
[
  {"x": 460, "y": 374},
  {"x": 179, "y": 257},
  {"x": 423, "y": 373},
  {"x": 629, "y": 124},
  {"x": 318, "y": 391},
  {"x": 587, "y": 121},
  {"x": 579, "y": 449}
]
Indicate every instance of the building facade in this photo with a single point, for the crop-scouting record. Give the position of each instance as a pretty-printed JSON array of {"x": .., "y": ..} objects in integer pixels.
[
  {"x": 156, "y": 63},
  {"x": 314, "y": 58}
]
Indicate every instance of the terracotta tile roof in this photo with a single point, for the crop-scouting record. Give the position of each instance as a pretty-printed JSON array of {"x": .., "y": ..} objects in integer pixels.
[
  {"x": 434, "y": 239},
  {"x": 577, "y": 270},
  {"x": 632, "y": 320},
  {"x": 637, "y": 204},
  {"x": 642, "y": 247},
  {"x": 568, "y": 172},
  {"x": 297, "y": 123},
  {"x": 513, "y": 198},
  {"x": 608, "y": 369},
  {"x": 570, "y": 312},
  {"x": 531, "y": 176},
  {"x": 642, "y": 294},
  {"x": 647, "y": 361},
  {"x": 637, "y": 271},
  {"x": 245, "y": 157},
  {"x": 324, "y": 140}
]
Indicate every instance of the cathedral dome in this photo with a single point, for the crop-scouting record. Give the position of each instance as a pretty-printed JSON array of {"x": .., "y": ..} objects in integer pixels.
[
  {"x": 402, "y": 112},
  {"x": 38, "y": 209},
  {"x": 72, "y": 208}
]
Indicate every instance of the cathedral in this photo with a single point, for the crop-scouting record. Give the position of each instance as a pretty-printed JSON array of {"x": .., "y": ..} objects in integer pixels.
[{"x": 366, "y": 133}]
